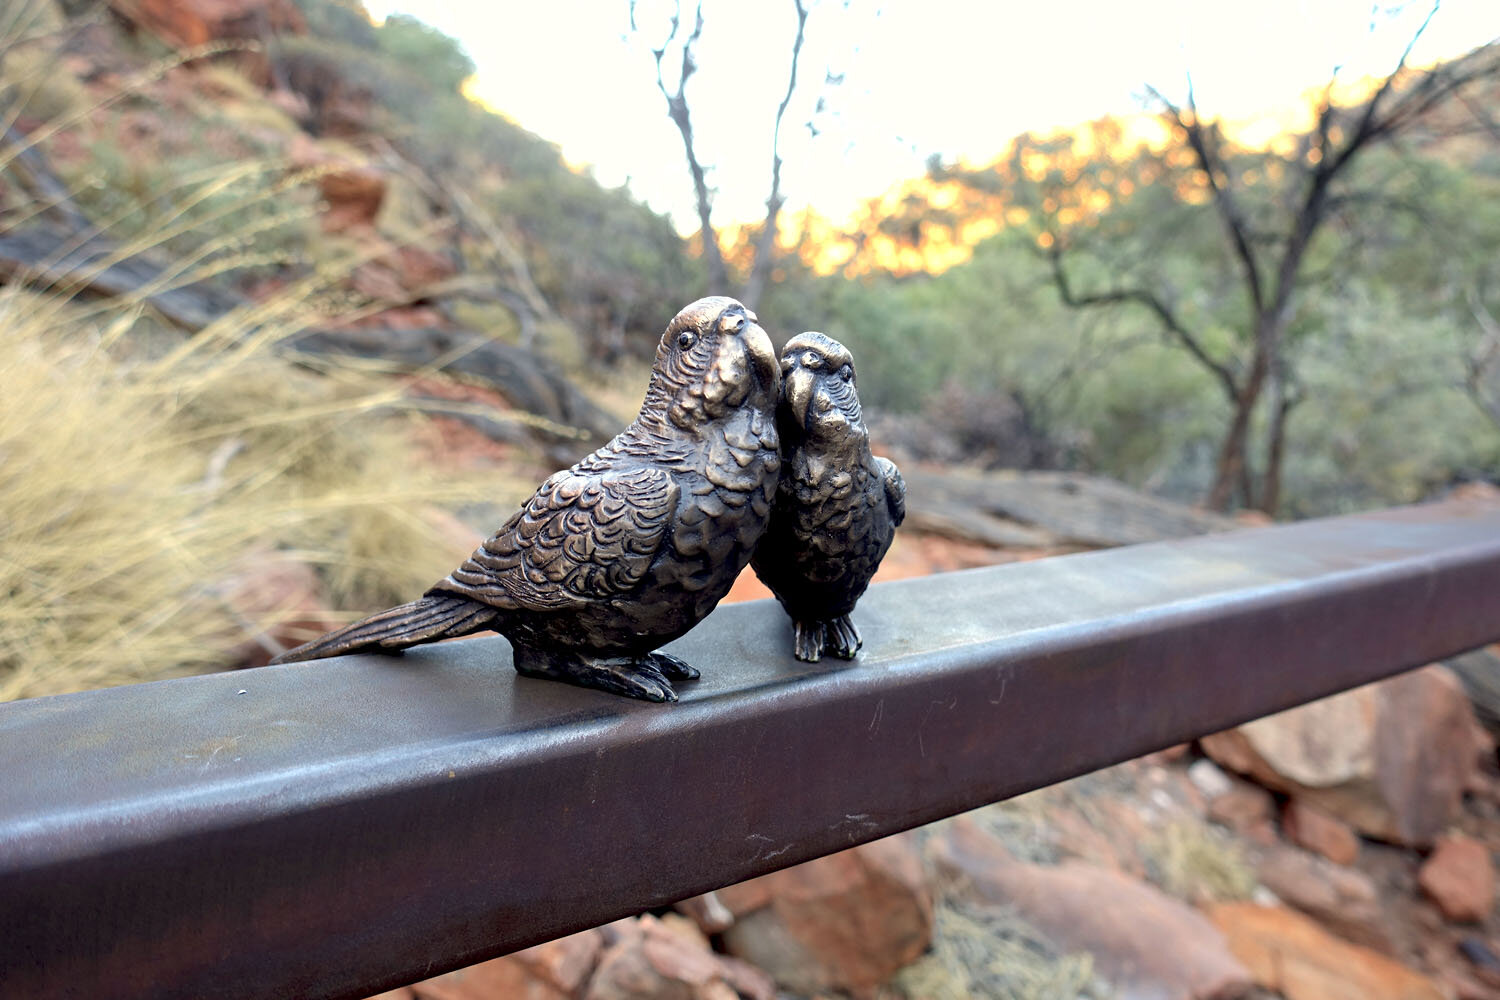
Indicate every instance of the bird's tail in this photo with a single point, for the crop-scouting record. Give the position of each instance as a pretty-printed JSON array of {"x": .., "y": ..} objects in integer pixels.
[{"x": 427, "y": 619}]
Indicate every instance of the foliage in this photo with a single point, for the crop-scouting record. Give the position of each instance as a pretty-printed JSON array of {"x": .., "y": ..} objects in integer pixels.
[
  {"x": 616, "y": 267},
  {"x": 133, "y": 486},
  {"x": 426, "y": 51}
]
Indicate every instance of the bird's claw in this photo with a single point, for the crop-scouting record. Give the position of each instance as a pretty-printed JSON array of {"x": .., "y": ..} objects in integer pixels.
[
  {"x": 807, "y": 644},
  {"x": 672, "y": 666},
  {"x": 836, "y": 637},
  {"x": 644, "y": 677},
  {"x": 841, "y": 638}
]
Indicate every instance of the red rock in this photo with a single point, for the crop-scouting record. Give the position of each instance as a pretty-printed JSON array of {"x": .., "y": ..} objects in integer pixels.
[
  {"x": 354, "y": 195},
  {"x": 189, "y": 23},
  {"x": 556, "y": 970},
  {"x": 1169, "y": 755},
  {"x": 711, "y": 916},
  {"x": 277, "y": 602},
  {"x": 1459, "y": 877},
  {"x": 419, "y": 268},
  {"x": 1310, "y": 827},
  {"x": 1391, "y": 759},
  {"x": 1247, "y": 810},
  {"x": 1291, "y": 955},
  {"x": 846, "y": 922},
  {"x": 1344, "y": 900},
  {"x": 1075, "y": 837},
  {"x": 651, "y": 959},
  {"x": 1143, "y": 941}
]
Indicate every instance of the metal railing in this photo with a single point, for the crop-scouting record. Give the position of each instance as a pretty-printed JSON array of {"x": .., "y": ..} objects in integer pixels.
[{"x": 334, "y": 828}]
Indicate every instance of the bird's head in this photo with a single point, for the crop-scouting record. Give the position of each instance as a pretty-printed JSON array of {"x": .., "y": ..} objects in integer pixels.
[
  {"x": 713, "y": 359},
  {"x": 818, "y": 397}
]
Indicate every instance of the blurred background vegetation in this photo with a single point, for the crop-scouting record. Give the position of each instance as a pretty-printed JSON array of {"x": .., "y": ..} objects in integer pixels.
[{"x": 287, "y": 321}]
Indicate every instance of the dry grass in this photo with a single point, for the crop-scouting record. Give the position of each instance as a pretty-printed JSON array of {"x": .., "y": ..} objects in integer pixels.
[
  {"x": 130, "y": 488},
  {"x": 139, "y": 466},
  {"x": 993, "y": 953},
  {"x": 1199, "y": 863}
]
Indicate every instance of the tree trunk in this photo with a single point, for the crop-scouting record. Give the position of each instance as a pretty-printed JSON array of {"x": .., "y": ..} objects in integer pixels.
[
  {"x": 1230, "y": 471},
  {"x": 1270, "y": 492}
]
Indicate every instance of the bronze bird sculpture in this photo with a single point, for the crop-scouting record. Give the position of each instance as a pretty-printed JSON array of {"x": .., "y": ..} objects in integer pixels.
[
  {"x": 837, "y": 507},
  {"x": 635, "y": 544}
]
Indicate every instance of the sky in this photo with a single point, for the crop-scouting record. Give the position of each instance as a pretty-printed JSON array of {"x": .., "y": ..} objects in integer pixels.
[{"x": 953, "y": 78}]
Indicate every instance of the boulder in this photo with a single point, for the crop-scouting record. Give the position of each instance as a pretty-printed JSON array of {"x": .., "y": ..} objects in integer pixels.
[
  {"x": 556, "y": 970},
  {"x": 1391, "y": 759},
  {"x": 277, "y": 602},
  {"x": 1143, "y": 942},
  {"x": 189, "y": 23},
  {"x": 353, "y": 193},
  {"x": 1344, "y": 900},
  {"x": 1310, "y": 827},
  {"x": 1291, "y": 955},
  {"x": 845, "y": 922},
  {"x": 669, "y": 959},
  {"x": 711, "y": 916},
  {"x": 1459, "y": 877},
  {"x": 1246, "y": 809}
]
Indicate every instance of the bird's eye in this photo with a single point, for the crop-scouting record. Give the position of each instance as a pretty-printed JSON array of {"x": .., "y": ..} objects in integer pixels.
[
  {"x": 686, "y": 339},
  {"x": 809, "y": 360},
  {"x": 846, "y": 373}
]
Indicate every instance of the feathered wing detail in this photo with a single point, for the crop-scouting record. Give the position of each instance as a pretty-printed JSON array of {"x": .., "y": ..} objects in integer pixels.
[
  {"x": 895, "y": 489},
  {"x": 423, "y": 620},
  {"x": 583, "y": 536}
]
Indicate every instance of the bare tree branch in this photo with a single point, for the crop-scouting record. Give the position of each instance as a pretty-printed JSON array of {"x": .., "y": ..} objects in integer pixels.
[
  {"x": 766, "y": 246},
  {"x": 1143, "y": 297},
  {"x": 1210, "y": 164},
  {"x": 677, "y": 110}
]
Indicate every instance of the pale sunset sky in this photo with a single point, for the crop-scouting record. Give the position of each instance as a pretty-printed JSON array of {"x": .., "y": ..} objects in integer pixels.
[{"x": 946, "y": 77}]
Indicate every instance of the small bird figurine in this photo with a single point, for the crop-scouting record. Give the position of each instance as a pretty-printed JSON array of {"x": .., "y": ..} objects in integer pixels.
[
  {"x": 635, "y": 544},
  {"x": 837, "y": 507}
]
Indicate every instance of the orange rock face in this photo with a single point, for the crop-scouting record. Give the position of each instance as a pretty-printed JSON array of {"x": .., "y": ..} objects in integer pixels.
[
  {"x": 1390, "y": 759},
  {"x": 1310, "y": 827},
  {"x": 552, "y": 971},
  {"x": 1459, "y": 877},
  {"x": 354, "y": 195},
  {"x": 189, "y": 23},
  {"x": 846, "y": 922},
  {"x": 1293, "y": 956}
]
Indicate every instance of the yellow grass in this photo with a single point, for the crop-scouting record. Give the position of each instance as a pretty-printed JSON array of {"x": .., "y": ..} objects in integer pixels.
[{"x": 129, "y": 490}]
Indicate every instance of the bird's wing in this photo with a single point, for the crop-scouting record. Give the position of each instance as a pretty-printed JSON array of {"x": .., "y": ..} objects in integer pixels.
[
  {"x": 895, "y": 488},
  {"x": 582, "y": 537}
]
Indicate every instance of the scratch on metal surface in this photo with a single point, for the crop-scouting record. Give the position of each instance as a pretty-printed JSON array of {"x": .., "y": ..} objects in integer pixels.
[{"x": 1004, "y": 673}]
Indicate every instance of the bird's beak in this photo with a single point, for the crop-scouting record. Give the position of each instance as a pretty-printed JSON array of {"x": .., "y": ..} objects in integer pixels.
[
  {"x": 762, "y": 353},
  {"x": 797, "y": 393}
]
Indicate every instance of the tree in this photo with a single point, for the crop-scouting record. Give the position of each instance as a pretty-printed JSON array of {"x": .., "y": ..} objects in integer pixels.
[
  {"x": 1270, "y": 208},
  {"x": 677, "y": 108}
]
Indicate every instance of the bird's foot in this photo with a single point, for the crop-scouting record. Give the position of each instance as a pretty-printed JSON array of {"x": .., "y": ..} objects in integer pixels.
[
  {"x": 673, "y": 666},
  {"x": 643, "y": 677},
  {"x": 841, "y": 638},
  {"x": 807, "y": 641}
]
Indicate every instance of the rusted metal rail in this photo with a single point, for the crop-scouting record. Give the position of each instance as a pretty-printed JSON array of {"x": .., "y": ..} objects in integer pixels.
[{"x": 334, "y": 828}]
